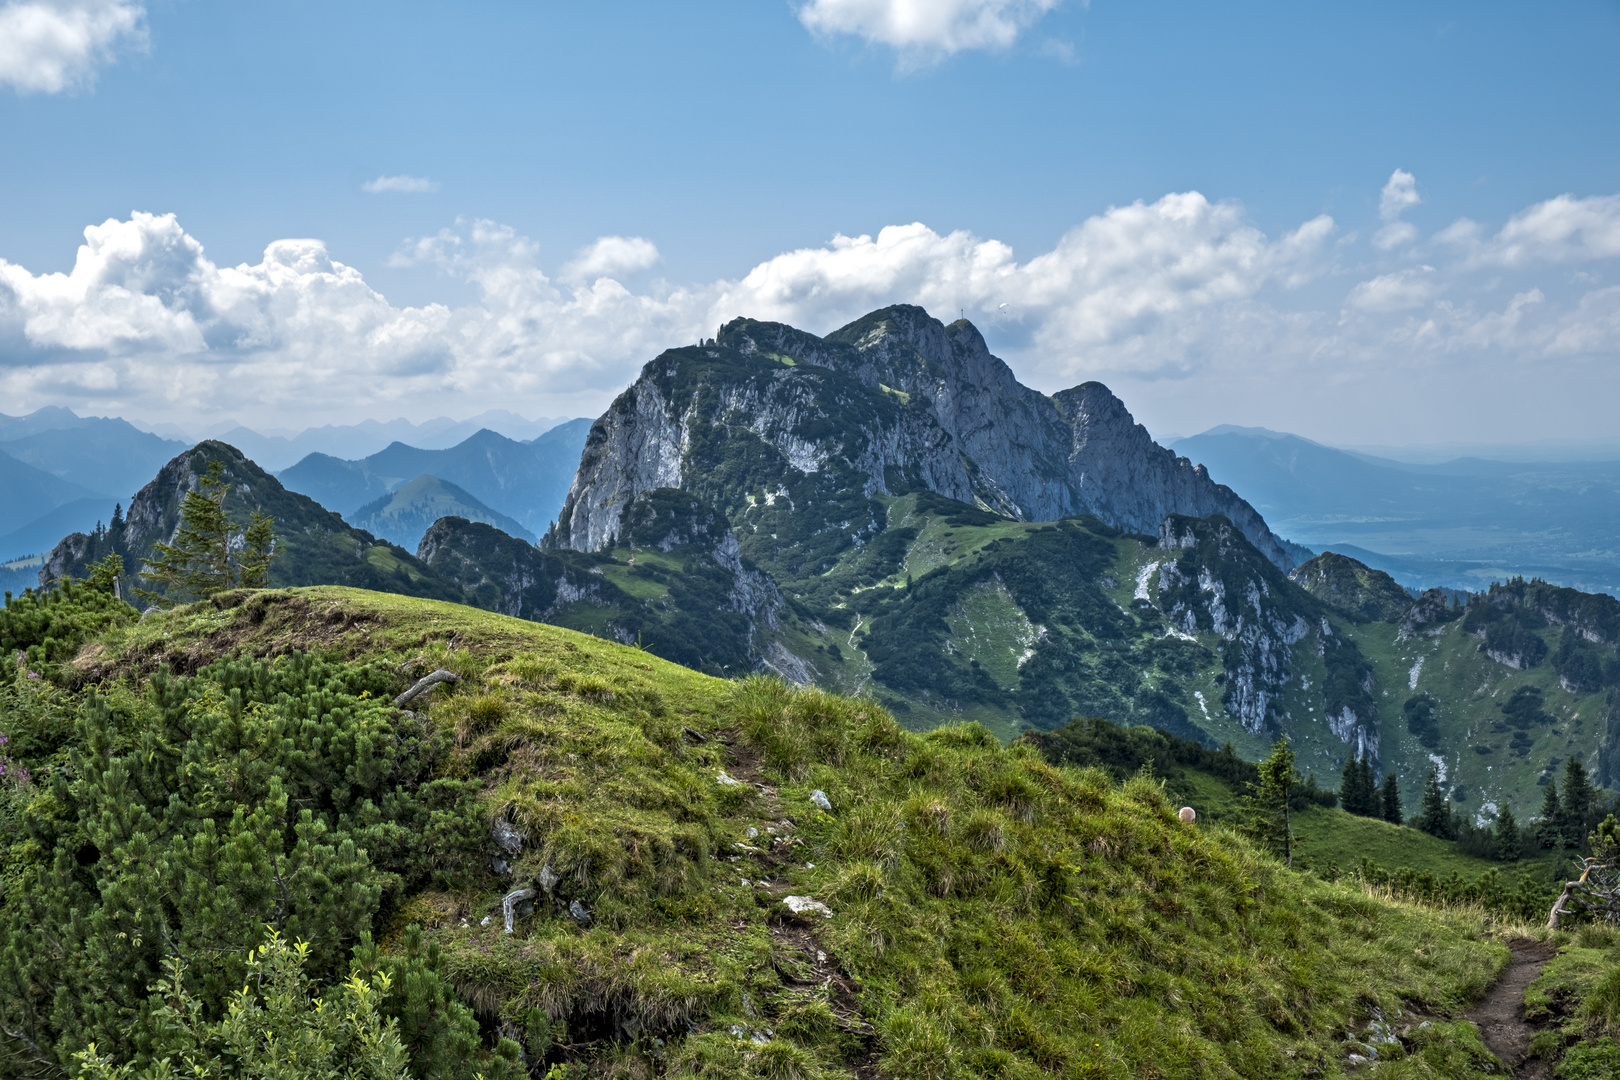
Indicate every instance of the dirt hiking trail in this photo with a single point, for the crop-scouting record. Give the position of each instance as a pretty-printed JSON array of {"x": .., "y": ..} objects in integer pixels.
[{"x": 1500, "y": 1015}]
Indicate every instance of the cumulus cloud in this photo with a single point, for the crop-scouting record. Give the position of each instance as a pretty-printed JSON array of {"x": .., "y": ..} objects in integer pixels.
[
  {"x": 1399, "y": 195},
  {"x": 1563, "y": 229},
  {"x": 611, "y": 255},
  {"x": 1114, "y": 286},
  {"x": 926, "y": 29},
  {"x": 47, "y": 46},
  {"x": 400, "y": 185},
  {"x": 1399, "y": 291}
]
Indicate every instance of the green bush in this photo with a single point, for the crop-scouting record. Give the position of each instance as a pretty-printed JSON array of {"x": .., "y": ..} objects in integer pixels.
[
  {"x": 181, "y": 821},
  {"x": 49, "y": 627},
  {"x": 1599, "y": 1060}
]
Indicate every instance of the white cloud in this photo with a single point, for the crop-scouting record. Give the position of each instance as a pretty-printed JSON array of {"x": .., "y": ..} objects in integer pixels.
[
  {"x": 1180, "y": 288},
  {"x": 1564, "y": 229},
  {"x": 926, "y": 29},
  {"x": 1395, "y": 234},
  {"x": 1399, "y": 195},
  {"x": 612, "y": 255},
  {"x": 1112, "y": 290},
  {"x": 1399, "y": 291},
  {"x": 48, "y": 46},
  {"x": 400, "y": 185}
]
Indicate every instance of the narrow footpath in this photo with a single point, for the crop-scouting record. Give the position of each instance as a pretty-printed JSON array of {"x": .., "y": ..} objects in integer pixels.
[{"x": 1500, "y": 1015}]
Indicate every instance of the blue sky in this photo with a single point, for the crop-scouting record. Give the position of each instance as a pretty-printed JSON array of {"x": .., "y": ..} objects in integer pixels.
[{"x": 1276, "y": 268}]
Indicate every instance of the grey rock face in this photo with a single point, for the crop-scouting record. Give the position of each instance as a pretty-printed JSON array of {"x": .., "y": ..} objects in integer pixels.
[
  {"x": 153, "y": 514},
  {"x": 507, "y": 836},
  {"x": 645, "y": 441},
  {"x": 1215, "y": 583},
  {"x": 1120, "y": 474},
  {"x": 960, "y": 423}
]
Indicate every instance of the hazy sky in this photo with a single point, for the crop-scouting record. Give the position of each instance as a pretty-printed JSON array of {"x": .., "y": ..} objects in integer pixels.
[{"x": 1391, "y": 223}]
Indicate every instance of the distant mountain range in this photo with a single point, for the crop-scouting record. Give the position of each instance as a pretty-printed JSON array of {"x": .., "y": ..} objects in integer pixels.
[
  {"x": 526, "y": 482},
  {"x": 405, "y": 513},
  {"x": 278, "y": 450},
  {"x": 61, "y": 473},
  {"x": 1458, "y": 524}
]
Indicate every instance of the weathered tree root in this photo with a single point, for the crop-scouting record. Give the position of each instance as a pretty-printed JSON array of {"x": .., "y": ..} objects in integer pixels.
[
  {"x": 423, "y": 684},
  {"x": 1597, "y": 891}
]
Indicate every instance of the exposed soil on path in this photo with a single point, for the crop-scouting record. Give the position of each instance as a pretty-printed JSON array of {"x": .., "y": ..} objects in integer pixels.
[{"x": 1501, "y": 1015}]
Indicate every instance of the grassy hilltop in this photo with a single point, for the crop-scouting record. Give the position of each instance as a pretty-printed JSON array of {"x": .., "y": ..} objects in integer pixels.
[{"x": 991, "y": 914}]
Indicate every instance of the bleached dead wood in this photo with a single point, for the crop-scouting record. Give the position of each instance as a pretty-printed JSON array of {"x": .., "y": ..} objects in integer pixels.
[
  {"x": 1596, "y": 892},
  {"x": 423, "y": 684}
]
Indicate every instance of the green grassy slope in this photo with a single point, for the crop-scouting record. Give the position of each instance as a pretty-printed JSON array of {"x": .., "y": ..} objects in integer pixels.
[{"x": 991, "y": 915}]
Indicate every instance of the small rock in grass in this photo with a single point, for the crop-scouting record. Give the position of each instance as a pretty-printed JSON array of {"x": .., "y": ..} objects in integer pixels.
[
  {"x": 803, "y": 905},
  {"x": 500, "y": 865},
  {"x": 484, "y": 921},
  {"x": 577, "y": 910},
  {"x": 752, "y": 832},
  {"x": 548, "y": 878},
  {"x": 507, "y": 836},
  {"x": 819, "y": 797},
  {"x": 725, "y": 779}
]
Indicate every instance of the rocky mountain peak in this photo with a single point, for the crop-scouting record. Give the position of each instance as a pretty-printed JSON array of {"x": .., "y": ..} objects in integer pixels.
[{"x": 937, "y": 406}]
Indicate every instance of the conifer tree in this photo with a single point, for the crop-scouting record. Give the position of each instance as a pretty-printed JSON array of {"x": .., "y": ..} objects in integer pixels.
[
  {"x": 1390, "y": 800},
  {"x": 1267, "y": 805},
  {"x": 1434, "y": 815},
  {"x": 197, "y": 562},
  {"x": 202, "y": 560},
  {"x": 1351, "y": 794},
  {"x": 1509, "y": 841},
  {"x": 1580, "y": 799},
  {"x": 259, "y": 551},
  {"x": 1358, "y": 788},
  {"x": 1550, "y": 829},
  {"x": 1371, "y": 805}
]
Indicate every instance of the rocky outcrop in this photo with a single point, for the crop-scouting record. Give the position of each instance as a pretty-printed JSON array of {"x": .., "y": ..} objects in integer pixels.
[
  {"x": 894, "y": 398},
  {"x": 1352, "y": 588},
  {"x": 1429, "y": 612},
  {"x": 736, "y": 428},
  {"x": 1124, "y": 477}
]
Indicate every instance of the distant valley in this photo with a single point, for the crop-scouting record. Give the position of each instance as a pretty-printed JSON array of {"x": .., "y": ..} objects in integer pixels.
[{"x": 1458, "y": 525}]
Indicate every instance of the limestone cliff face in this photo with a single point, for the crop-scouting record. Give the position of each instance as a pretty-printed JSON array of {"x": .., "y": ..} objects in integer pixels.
[
  {"x": 744, "y": 429},
  {"x": 895, "y": 396},
  {"x": 1124, "y": 477},
  {"x": 1215, "y": 582}
]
